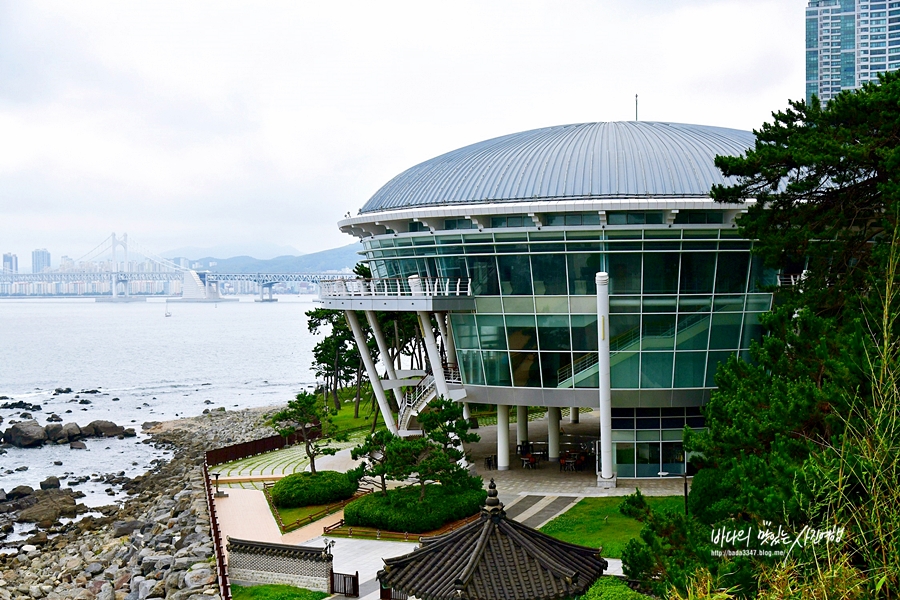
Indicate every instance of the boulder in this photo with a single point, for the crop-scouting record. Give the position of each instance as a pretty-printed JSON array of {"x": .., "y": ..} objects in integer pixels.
[
  {"x": 77, "y": 445},
  {"x": 105, "y": 428},
  {"x": 51, "y": 483},
  {"x": 72, "y": 431},
  {"x": 55, "y": 432},
  {"x": 19, "y": 492},
  {"x": 121, "y": 528},
  {"x": 50, "y": 506},
  {"x": 26, "y": 434},
  {"x": 2, "y": 495}
]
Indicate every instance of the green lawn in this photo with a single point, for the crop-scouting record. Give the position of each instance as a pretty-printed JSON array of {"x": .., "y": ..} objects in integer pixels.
[
  {"x": 344, "y": 419},
  {"x": 274, "y": 592},
  {"x": 596, "y": 522},
  {"x": 289, "y": 515}
]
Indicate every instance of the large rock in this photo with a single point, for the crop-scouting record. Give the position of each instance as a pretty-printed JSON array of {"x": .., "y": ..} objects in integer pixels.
[
  {"x": 50, "y": 506},
  {"x": 26, "y": 434},
  {"x": 104, "y": 428},
  {"x": 121, "y": 528},
  {"x": 51, "y": 483},
  {"x": 55, "y": 432},
  {"x": 20, "y": 492},
  {"x": 72, "y": 431}
]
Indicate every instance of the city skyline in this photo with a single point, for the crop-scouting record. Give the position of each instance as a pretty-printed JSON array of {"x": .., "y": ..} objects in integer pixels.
[{"x": 230, "y": 121}]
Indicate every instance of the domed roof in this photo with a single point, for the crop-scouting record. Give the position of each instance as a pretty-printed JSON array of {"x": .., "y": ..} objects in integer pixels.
[{"x": 627, "y": 159}]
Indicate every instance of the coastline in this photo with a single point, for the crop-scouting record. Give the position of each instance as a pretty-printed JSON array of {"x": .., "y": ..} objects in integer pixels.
[{"x": 156, "y": 545}]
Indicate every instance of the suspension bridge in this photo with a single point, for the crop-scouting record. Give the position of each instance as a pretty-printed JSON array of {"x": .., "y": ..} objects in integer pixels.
[{"x": 120, "y": 268}]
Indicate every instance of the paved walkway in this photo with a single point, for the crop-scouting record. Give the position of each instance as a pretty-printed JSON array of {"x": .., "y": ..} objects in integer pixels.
[{"x": 531, "y": 496}]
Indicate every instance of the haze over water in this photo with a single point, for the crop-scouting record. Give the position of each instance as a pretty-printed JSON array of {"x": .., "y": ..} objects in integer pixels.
[{"x": 232, "y": 354}]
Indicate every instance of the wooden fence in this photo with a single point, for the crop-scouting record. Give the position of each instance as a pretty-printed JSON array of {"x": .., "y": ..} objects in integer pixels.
[
  {"x": 343, "y": 583},
  {"x": 331, "y": 508},
  {"x": 340, "y": 528},
  {"x": 254, "y": 447}
]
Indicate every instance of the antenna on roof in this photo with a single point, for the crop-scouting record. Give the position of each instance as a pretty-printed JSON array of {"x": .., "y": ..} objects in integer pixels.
[{"x": 635, "y": 107}]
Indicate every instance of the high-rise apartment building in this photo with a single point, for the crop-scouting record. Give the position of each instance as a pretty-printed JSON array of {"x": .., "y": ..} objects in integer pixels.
[
  {"x": 40, "y": 260},
  {"x": 848, "y": 42},
  {"x": 10, "y": 263}
]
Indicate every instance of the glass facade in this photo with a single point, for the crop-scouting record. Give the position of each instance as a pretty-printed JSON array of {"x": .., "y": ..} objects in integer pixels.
[{"x": 683, "y": 299}]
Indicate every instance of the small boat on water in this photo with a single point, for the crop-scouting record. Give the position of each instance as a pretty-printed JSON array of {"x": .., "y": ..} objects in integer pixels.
[{"x": 168, "y": 314}]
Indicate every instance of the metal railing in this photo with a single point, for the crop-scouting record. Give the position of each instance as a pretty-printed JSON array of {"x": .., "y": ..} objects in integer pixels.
[
  {"x": 412, "y": 400},
  {"x": 221, "y": 565},
  {"x": 789, "y": 280},
  {"x": 394, "y": 287}
]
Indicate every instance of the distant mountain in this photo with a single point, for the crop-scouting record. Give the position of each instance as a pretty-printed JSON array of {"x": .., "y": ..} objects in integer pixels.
[
  {"x": 336, "y": 259},
  {"x": 260, "y": 250}
]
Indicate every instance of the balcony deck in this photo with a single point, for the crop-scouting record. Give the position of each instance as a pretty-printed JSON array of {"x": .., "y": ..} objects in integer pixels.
[{"x": 432, "y": 294}]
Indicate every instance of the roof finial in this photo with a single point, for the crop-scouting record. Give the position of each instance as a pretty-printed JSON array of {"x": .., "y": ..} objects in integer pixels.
[{"x": 492, "y": 505}]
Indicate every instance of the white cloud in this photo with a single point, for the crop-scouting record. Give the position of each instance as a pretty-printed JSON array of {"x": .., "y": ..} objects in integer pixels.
[{"x": 208, "y": 122}]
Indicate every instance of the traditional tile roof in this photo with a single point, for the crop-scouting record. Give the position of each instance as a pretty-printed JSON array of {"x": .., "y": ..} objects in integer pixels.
[
  {"x": 493, "y": 558},
  {"x": 281, "y": 550}
]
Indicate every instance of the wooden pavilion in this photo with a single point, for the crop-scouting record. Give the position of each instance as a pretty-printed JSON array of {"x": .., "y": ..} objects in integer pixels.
[{"x": 493, "y": 558}]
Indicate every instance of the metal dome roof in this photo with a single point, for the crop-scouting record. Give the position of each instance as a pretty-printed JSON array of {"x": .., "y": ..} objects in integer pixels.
[{"x": 630, "y": 159}]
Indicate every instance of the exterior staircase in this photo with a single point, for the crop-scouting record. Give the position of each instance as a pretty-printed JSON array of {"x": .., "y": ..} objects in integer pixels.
[{"x": 416, "y": 399}]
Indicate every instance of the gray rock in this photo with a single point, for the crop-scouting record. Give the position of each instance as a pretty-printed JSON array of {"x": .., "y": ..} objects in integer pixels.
[
  {"x": 51, "y": 483},
  {"x": 54, "y": 432},
  {"x": 94, "y": 568},
  {"x": 104, "y": 428},
  {"x": 77, "y": 446},
  {"x": 20, "y": 492},
  {"x": 198, "y": 577},
  {"x": 72, "y": 431},
  {"x": 121, "y": 528},
  {"x": 26, "y": 434}
]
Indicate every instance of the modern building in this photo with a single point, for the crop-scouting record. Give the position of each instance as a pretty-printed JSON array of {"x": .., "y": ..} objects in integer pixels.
[
  {"x": 848, "y": 42},
  {"x": 10, "y": 263},
  {"x": 40, "y": 260},
  {"x": 503, "y": 244}
]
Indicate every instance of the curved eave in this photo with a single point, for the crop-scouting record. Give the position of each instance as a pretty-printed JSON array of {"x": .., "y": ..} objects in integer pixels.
[{"x": 375, "y": 223}]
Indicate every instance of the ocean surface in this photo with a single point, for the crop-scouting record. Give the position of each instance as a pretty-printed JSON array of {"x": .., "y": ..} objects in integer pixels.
[{"x": 147, "y": 367}]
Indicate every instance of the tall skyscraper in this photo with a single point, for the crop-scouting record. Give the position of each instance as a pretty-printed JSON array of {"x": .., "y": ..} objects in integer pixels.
[
  {"x": 10, "y": 263},
  {"x": 40, "y": 260},
  {"x": 848, "y": 42}
]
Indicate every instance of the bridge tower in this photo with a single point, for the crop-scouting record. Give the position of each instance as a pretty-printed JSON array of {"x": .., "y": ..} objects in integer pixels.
[{"x": 115, "y": 243}]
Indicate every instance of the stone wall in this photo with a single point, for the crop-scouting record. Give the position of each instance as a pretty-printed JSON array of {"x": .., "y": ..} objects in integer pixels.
[{"x": 259, "y": 563}]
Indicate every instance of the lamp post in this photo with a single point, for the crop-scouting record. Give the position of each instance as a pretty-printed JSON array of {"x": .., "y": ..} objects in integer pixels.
[
  {"x": 218, "y": 493},
  {"x": 684, "y": 478}
]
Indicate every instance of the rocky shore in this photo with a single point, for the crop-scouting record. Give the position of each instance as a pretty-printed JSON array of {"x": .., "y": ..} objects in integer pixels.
[{"x": 156, "y": 545}]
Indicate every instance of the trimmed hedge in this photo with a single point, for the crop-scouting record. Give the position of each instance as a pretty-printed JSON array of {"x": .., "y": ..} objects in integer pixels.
[
  {"x": 313, "y": 489},
  {"x": 611, "y": 588},
  {"x": 401, "y": 510}
]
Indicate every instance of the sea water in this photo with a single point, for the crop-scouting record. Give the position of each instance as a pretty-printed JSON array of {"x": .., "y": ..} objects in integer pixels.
[{"x": 147, "y": 367}]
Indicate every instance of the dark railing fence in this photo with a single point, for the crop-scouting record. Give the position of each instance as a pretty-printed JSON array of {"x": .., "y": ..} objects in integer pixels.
[
  {"x": 221, "y": 566},
  {"x": 252, "y": 448},
  {"x": 342, "y": 583},
  {"x": 392, "y": 594}
]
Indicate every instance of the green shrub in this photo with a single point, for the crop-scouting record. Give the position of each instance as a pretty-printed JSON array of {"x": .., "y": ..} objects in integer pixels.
[
  {"x": 312, "y": 489},
  {"x": 274, "y": 592},
  {"x": 635, "y": 506},
  {"x": 400, "y": 509},
  {"x": 611, "y": 588}
]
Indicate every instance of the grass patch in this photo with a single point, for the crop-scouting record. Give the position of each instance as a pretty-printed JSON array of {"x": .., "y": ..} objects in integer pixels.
[
  {"x": 596, "y": 522},
  {"x": 274, "y": 592},
  {"x": 344, "y": 418},
  {"x": 289, "y": 515},
  {"x": 611, "y": 588}
]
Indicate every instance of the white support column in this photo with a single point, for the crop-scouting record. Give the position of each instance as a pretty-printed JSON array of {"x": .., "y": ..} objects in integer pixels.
[
  {"x": 383, "y": 350},
  {"x": 521, "y": 425},
  {"x": 450, "y": 344},
  {"x": 503, "y": 437},
  {"x": 442, "y": 329},
  {"x": 371, "y": 371},
  {"x": 467, "y": 414},
  {"x": 434, "y": 357},
  {"x": 553, "y": 416},
  {"x": 574, "y": 415},
  {"x": 606, "y": 477}
]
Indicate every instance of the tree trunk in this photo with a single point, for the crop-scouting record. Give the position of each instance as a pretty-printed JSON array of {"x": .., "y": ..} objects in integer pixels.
[
  {"x": 397, "y": 346},
  {"x": 375, "y": 420},
  {"x": 358, "y": 389},
  {"x": 309, "y": 448},
  {"x": 337, "y": 402}
]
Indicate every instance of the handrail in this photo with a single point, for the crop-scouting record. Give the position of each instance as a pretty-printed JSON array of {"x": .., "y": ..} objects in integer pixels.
[
  {"x": 221, "y": 565},
  {"x": 396, "y": 286},
  {"x": 412, "y": 400}
]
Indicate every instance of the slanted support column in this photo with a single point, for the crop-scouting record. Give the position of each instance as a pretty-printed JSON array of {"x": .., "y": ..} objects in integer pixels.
[
  {"x": 434, "y": 357},
  {"x": 383, "y": 350},
  {"x": 521, "y": 425},
  {"x": 606, "y": 477},
  {"x": 503, "y": 437},
  {"x": 448, "y": 339},
  {"x": 442, "y": 329},
  {"x": 371, "y": 371},
  {"x": 553, "y": 416},
  {"x": 574, "y": 416}
]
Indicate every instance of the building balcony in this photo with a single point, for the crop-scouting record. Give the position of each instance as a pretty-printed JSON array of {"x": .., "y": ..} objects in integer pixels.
[{"x": 433, "y": 294}]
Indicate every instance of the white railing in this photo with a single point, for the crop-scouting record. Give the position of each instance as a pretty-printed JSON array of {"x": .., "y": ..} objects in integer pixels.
[
  {"x": 415, "y": 399},
  {"x": 394, "y": 287}
]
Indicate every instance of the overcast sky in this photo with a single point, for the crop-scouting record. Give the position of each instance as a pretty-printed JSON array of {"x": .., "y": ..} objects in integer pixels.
[{"x": 205, "y": 123}]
